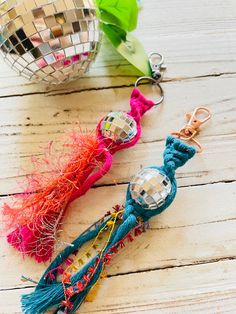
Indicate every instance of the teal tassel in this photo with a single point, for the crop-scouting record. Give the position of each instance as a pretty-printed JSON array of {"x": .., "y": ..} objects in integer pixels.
[
  {"x": 50, "y": 294},
  {"x": 40, "y": 300}
]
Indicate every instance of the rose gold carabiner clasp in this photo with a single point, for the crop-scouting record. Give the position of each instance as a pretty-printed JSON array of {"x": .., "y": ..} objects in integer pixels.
[{"x": 191, "y": 129}]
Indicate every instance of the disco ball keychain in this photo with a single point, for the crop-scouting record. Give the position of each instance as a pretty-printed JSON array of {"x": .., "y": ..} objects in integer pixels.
[
  {"x": 69, "y": 280},
  {"x": 55, "y": 41},
  {"x": 36, "y": 217}
]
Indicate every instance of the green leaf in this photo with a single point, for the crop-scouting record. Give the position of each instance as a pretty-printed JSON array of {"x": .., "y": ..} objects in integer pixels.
[
  {"x": 129, "y": 47},
  {"x": 115, "y": 34},
  {"x": 122, "y": 13},
  {"x": 133, "y": 51}
]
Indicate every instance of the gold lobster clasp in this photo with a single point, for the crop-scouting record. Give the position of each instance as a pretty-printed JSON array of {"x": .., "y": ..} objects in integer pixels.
[{"x": 191, "y": 129}]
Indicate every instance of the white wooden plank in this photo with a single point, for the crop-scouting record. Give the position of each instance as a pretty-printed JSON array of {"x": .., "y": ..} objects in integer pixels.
[
  {"x": 29, "y": 122},
  {"x": 209, "y": 288},
  {"x": 186, "y": 223},
  {"x": 198, "y": 38},
  {"x": 200, "y": 289},
  {"x": 40, "y": 115},
  {"x": 216, "y": 163}
]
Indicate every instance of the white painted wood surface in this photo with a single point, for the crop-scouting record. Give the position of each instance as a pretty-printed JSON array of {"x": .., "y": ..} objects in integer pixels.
[{"x": 186, "y": 262}]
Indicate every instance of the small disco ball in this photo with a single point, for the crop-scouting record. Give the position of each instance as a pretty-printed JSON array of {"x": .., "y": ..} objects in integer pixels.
[
  {"x": 53, "y": 41},
  {"x": 150, "y": 188},
  {"x": 119, "y": 126}
]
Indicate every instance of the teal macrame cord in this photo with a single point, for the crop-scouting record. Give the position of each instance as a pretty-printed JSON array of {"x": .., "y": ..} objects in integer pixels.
[{"x": 49, "y": 293}]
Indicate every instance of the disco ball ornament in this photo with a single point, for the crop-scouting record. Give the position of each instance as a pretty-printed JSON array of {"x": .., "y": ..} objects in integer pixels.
[
  {"x": 150, "y": 188},
  {"x": 53, "y": 41},
  {"x": 119, "y": 126}
]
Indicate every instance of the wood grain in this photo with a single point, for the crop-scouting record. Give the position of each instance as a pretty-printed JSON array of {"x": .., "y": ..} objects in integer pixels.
[
  {"x": 208, "y": 288},
  {"x": 185, "y": 263},
  {"x": 196, "y": 39},
  {"x": 186, "y": 222},
  {"x": 27, "y": 128}
]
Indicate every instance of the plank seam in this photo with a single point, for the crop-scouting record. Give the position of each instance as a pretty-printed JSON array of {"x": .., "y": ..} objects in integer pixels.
[
  {"x": 167, "y": 80},
  {"x": 127, "y": 182},
  {"x": 196, "y": 263}
]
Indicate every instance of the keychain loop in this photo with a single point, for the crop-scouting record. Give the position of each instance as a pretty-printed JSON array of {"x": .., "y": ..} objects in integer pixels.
[
  {"x": 154, "y": 82},
  {"x": 156, "y": 69}
]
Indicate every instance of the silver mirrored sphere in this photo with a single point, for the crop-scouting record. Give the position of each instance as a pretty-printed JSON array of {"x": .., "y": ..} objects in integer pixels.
[
  {"x": 150, "y": 188},
  {"x": 119, "y": 126},
  {"x": 49, "y": 40}
]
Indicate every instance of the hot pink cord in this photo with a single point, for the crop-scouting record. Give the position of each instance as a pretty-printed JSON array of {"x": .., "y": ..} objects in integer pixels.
[
  {"x": 139, "y": 105},
  {"x": 27, "y": 238}
]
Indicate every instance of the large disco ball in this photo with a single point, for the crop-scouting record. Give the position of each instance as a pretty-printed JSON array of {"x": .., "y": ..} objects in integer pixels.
[
  {"x": 150, "y": 188},
  {"x": 49, "y": 40},
  {"x": 119, "y": 126}
]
